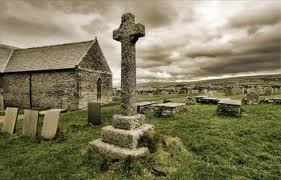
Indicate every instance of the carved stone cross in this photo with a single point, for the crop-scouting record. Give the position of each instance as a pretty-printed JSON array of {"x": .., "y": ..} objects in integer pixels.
[{"x": 128, "y": 34}]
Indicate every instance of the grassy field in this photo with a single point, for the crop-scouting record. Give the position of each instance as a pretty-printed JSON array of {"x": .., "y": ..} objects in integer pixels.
[{"x": 208, "y": 147}]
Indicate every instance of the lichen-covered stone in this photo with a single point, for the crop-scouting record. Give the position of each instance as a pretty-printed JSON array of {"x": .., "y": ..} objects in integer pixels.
[
  {"x": 128, "y": 34},
  {"x": 128, "y": 122},
  {"x": 124, "y": 138},
  {"x": 116, "y": 152},
  {"x": 252, "y": 98},
  {"x": 229, "y": 107}
]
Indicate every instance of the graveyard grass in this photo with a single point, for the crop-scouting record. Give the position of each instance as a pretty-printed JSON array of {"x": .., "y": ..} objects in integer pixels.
[{"x": 208, "y": 147}]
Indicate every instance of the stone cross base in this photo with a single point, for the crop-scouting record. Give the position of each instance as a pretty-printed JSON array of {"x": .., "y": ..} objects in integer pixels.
[{"x": 122, "y": 138}]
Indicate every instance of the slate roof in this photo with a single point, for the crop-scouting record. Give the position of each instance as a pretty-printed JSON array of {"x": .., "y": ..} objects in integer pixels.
[
  {"x": 5, "y": 52},
  {"x": 64, "y": 56}
]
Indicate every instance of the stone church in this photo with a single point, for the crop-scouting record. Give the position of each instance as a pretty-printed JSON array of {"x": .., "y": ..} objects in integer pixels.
[{"x": 59, "y": 76}]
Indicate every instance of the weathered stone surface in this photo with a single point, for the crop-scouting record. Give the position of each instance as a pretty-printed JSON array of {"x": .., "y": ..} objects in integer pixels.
[
  {"x": 189, "y": 101},
  {"x": 199, "y": 98},
  {"x": 124, "y": 138},
  {"x": 229, "y": 107},
  {"x": 1, "y": 119},
  {"x": 94, "y": 113},
  {"x": 128, "y": 34},
  {"x": 10, "y": 119},
  {"x": 30, "y": 123},
  {"x": 252, "y": 98},
  {"x": 209, "y": 100},
  {"x": 50, "y": 124},
  {"x": 128, "y": 122},
  {"x": 144, "y": 107},
  {"x": 168, "y": 109},
  {"x": 116, "y": 152}
]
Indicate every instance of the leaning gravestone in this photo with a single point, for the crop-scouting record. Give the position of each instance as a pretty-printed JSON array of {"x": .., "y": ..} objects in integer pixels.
[
  {"x": 94, "y": 113},
  {"x": 10, "y": 120},
  {"x": 50, "y": 124},
  {"x": 252, "y": 98},
  {"x": 121, "y": 139},
  {"x": 30, "y": 123}
]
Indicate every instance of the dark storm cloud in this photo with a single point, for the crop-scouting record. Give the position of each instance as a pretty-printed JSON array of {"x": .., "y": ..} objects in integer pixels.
[
  {"x": 257, "y": 16},
  {"x": 184, "y": 39}
]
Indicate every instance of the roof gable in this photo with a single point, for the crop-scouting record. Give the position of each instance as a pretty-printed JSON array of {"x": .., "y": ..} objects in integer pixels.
[
  {"x": 5, "y": 53},
  {"x": 54, "y": 57},
  {"x": 94, "y": 59}
]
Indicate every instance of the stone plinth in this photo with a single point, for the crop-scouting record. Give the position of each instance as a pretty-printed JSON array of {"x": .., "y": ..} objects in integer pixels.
[{"x": 122, "y": 138}]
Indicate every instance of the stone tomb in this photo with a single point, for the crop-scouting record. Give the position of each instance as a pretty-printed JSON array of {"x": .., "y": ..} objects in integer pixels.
[
  {"x": 94, "y": 113},
  {"x": 252, "y": 98},
  {"x": 121, "y": 139},
  {"x": 10, "y": 119},
  {"x": 168, "y": 109},
  {"x": 199, "y": 98},
  {"x": 144, "y": 107},
  {"x": 30, "y": 122},
  {"x": 229, "y": 107},
  {"x": 209, "y": 100},
  {"x": 50, "y": 124}
]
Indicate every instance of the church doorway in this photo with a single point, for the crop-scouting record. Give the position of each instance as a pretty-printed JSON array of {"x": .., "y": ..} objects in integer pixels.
[{"x": 99, "y": 83}]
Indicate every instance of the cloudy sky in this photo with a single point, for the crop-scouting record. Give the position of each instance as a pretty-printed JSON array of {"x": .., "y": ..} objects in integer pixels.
[{"x": 185, "y": 40}]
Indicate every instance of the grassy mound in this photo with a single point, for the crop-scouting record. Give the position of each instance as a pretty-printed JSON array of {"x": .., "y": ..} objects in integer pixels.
[{"x": 167, "y": 156}]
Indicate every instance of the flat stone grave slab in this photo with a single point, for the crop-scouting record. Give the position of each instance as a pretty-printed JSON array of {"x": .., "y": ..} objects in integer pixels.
[
  {"x": 199, "y": 98},
  {"x": 10, "y": 119},
  {"x": 30, "y": 121},
  {"x": 143, "y": 107},
  {"x": 167, "y": 109},
  {"x": 60, "y": 110},
  {"x": 209, "y": 100},
  {"x": 229, "y": 107},
  {"x": 94, "y": 113},
  {"x": 50, "y": 124}
]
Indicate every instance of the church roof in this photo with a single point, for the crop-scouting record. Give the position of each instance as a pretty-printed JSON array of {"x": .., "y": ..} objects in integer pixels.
[
  {"x": 5, "y": 53},
  {"x": 55, "y": 57}
]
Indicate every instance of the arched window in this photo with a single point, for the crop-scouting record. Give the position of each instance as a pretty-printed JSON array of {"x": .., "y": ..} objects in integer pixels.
[{"x": 99, "y": 85}]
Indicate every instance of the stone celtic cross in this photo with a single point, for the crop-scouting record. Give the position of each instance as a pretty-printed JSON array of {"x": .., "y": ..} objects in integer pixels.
[{"x": 128, "y": 34}]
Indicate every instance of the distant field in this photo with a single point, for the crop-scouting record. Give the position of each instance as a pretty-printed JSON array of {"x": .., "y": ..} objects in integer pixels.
[
  {"x": 264, "y": 80},
  {"x": 217, "y": 147}
]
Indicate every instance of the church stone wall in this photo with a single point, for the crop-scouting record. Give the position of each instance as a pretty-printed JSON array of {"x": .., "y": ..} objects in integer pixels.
[
  {"x": 49, "y": 89},
  {"x": 88, "y": 87},
  {"x": 55, "y": 90},
  {"x": 16, "y": 90}
]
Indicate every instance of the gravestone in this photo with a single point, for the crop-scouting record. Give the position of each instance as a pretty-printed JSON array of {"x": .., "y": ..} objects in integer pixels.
[
  {"x": 10, "y": 119},
  {"x": 268, "y": 91},
  {"x": 189, "y": 101},
  {"x": 50, "y": 124},
  {"x": 121, "y": 139},
  {"x": 94, "y": 113},
  {"x": 30, "y": 121},
  {"x": 252, "y": 98},
  {"x": 2, "y": 108}
]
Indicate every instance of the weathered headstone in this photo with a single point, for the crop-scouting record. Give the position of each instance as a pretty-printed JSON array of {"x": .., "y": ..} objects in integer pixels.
[
  {"x": 120, "y": 140},
  {"x": 252, "y": 98},
  {"x": 50, "y": 124},
  {"x": 10, "y": 120},
  {"x": 30, "y": 121},
  {"x": 94, "y": 113},
  {"x": 268, "y": 91}
]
